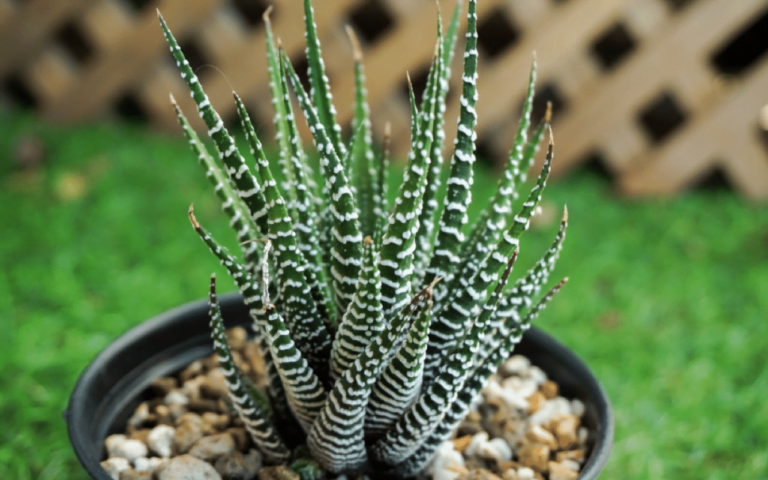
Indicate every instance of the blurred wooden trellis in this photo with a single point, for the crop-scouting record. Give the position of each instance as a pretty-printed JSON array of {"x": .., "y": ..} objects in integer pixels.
[{"x": 660, "y": 92}]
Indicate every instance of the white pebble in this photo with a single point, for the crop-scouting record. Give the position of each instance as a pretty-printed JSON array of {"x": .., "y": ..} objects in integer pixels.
[
  {"x": 521, "y": 386},
  {"x": 525, "y": 473},
  {"x": 551, "y": 408},
  {"x": 142, "y": 465},
  {"x": 160, "y": 439},
  {"x": 114, "y": 466},
  {"x": 475, "y": 445},
  {"x": 120, "y": 446},
  {"x": 504, "y": 452},
  {"x": 572, "y": 464},
  {"x": 176, "y": 397},
  {"x": 516, "y": 365},
  {"x": 537, "y": 375},
  {"x": 445, "y": 463},
  {"x": 583, "y": 435},
  {"x": 577, "y": 407}
]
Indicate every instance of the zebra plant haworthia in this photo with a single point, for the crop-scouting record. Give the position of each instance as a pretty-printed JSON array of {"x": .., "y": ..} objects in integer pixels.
[{"x": 379, "y": 323}]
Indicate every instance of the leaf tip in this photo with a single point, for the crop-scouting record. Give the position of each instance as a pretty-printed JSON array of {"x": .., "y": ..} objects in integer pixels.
[
  {"x": 266, "y": 14},
  {"x": 357, "y": 52},
  {"x": 565, "y": 214},
  {"x": 192, "y": 218},
  {"x": 548, "y": 114},
  {"x": 368, "y": 240}
]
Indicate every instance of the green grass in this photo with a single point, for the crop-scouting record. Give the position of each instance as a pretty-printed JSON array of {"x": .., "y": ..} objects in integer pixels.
[{"x": 667, "y": 300}]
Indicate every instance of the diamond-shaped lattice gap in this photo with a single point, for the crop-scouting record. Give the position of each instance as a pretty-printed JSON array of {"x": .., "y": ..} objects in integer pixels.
[
  {"x": 371, "y": 20},
  {"x": 18, "y": 92},
  {"x": 715, "y": 179},
  {"x": 744, "y": 48},
  {"x": 140, "y": 5},
  {"x": 496, "y": 32},
  {"x": 485, "y": 154},
  {"x": 594, "y": 163},
  {"x": 194, "y": 55},
  {"x": 129, "y": 108},
  {"x": 252, "y": 11},
  {"x": 301, "y": 66},
  {"x": 677, "y": 5},
  {"x": 661, "y": 117},
  {"x": 71, "y": 38},
  {"x": 613, "y": 46}
]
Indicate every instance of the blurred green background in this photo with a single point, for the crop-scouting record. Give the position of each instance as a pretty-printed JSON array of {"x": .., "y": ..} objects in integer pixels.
[{"x": 667, "y": 300}]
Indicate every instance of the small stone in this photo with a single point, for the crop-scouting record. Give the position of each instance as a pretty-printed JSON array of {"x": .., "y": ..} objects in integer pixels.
[
  {"x": 140, "y": 415},
  {"x": 523, "y": 387},
  {"x": 549, "y": 389},
  {"x": 163, "y": 385},
  {"x": 187, "y": 467},
  {"x": 236, "y": 337},
  {"x": 559, "y": 472},
  {"x": 241, "y": 437},
  {"x": 552, "y": 408},
  {"x": 477, "y": 442},
  {"x": 279, "y": 472},
  {"x": 216, "y": 422},
  {"x": 177, "y": 410},
  {"x": 461, "y": 444},
  {"x": 203, "y": 405},
  {"x": 537, "y": 375},
  {"x": 538, "y": 434},
  {"x": 163, "y": 415},
  {"x": 113, "y": 466},
  {"x": 160, "y": 440},
  {"x": 573, "y": 455},
  {"x": 577, "y": 407},
  {"x": 479, "y": 474},
  {"x": 510, "y": 474},
  {"x": 120, "y": 446},
  {"x": 253, "y": 356},
  {"x": 187, "y": 432},
  {"x": 191, "y": 388},
  {"x": 534, "y": 456},
  {"x": 565, "y": 429},
  {"x": 572, "y": 464},
  {"x": 214, "y": 386},
  {"x": 140, "y": 435},
  {"x": 515, "y": 365},
  {"x": 135, "y": 475},
  {"x": 499, "y": 450},
  {"x": 536, "y": 402},
  {"x": 236, "y": 466},
  {"x": 583, "y": 436},
  {"x": 448, "y": 463},
  {"x": 176, "y": 397},
  {"x": 194, "y": 369},
  {"x": 525, "y": 473},
  {"x": 213, "y": 446}
]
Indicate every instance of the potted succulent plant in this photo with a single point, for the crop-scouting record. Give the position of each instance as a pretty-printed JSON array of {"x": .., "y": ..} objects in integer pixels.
[{"x": 379, "y": 324}]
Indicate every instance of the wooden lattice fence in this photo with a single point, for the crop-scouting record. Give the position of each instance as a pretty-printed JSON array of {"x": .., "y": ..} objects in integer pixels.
[{"x": 659, "y": 93}]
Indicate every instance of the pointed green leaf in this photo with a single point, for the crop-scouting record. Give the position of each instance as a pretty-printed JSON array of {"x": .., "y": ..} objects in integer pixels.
[
  {"x": 321, "y": 90},
  {"x": 363, "y": 319},
  {"x": 336, "y": 439},
  {"x": 381, "y": 209},
  {"x": 306, "y": 324},
  {"x": 256, "y": 423},
  {"x": 347, "y": 241},
  {"x": 247, "y": 186}
]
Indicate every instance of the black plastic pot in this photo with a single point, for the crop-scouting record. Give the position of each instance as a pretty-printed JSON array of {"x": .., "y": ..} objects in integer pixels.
[{"x": 117, "y": 380}]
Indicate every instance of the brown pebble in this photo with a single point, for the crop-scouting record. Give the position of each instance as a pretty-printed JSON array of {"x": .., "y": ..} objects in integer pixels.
[
  {"x": 534, "y": 456},
  {"x": 218, "y": 422},
  {"x": 188, "y": 431},
  {"x": 134, "y": 475},
  {"x": 194, "y": 369},
  {"x": 559, "y": 472},
  {"x": 575, "y": 455},
  {"x": 140, "y": 435},
  {"x": 164, "y": 385},
  {"x": 460, "y": 444},
  {"x": 536, "y": 402},
  {"x": 164, "y": 416},
  {"x": 203, "y": 405},
  {"x": 212, "y": 447},
  {"x": 236, "y": 337},
  {"x": 279, "y": 472},
  {"x": 241, "y": 437},
  {"x": 538, "y": 434},
  {"x": 549, "y": 389},
  {"x": 566, "y": 428},
  {"x": 479, "y": 474}
]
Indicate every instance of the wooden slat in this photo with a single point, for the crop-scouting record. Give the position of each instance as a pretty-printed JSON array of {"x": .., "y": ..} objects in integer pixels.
[
  {"x": 30, "y": 26},
  {"x": 128, "y": 61},
  {"x": 672, "y": 57},
  {"x": 723, "y": 136}
]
